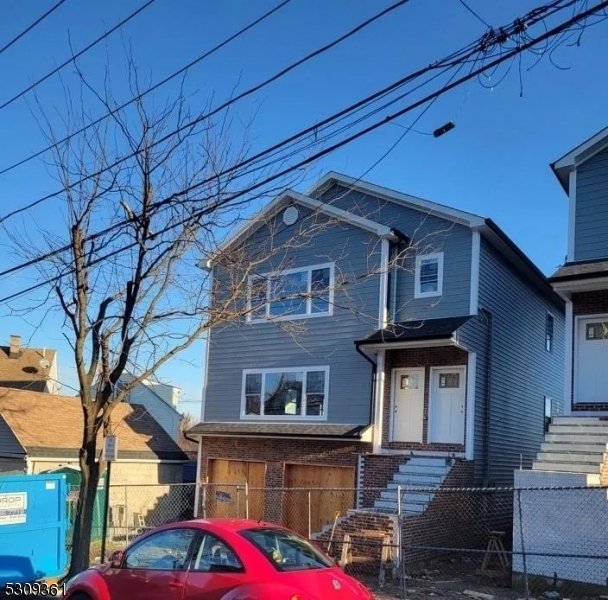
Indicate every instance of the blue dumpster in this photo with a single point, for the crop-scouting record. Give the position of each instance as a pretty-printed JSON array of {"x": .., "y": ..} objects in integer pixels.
[{"x": 33, "y": 527}]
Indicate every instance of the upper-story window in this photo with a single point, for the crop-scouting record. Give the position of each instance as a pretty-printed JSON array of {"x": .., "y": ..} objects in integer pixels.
[
  {"x": 291, "y": 294},
  {"x": 429, "y": 275},
  {"x": 298, "y": 392},
  {"x": 549, "y": 333}
]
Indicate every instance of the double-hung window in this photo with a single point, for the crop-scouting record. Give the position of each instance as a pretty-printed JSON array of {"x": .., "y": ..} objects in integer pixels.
[
  {"x": 429, "y": 275},
  {"x": 291, "y": 294},
  {"x": 297, "y": 392}
]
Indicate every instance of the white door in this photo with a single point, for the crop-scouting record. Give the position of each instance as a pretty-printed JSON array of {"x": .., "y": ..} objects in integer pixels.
[
  {"x": 446, "y": 405},
  {"x": 408, "y": 405},
  {"x": 592, "y": 361}
]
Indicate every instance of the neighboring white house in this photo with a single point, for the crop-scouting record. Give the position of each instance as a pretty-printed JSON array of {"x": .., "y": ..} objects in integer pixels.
[{"x": 159, "y": 399}]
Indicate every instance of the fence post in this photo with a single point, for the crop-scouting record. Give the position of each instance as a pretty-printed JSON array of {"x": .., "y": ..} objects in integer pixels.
[
  {"x": 309, "y": 515},
  {"x": 247, "y": 500},
  {"x": 522, "y": 545},
  {"x": 204, "y": 499},
  {"x": 238, "y": 502},
  {"x": 399, "y": 544},
  {"x": 126, "y": 518}
]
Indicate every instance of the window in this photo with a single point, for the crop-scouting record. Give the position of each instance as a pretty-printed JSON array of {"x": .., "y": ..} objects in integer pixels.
[
  {"x": 548, "y": 412},
  {"x": 164, "y": 551},
  {"x": 429, "y": 275},
  {"x": 549, "y": 334},
  {"x": 292, "y": 392},
  {"x": 287, "y": 551},
  {"x": 597, "y": 331},
  {"x": 291, "y": 294},
  {"x": 449, "y": 380},
  {"x": 214, "y": 556}
]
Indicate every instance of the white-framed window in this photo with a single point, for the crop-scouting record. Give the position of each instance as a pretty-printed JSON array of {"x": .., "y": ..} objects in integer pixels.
[
  {"x": 287, "y": 392},
  {"x": 429, "y": 275},
  {"x": 291, "y": 293}
]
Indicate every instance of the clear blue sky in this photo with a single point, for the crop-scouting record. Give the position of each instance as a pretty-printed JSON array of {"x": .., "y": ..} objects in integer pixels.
[{"x": 494, "y": 163}]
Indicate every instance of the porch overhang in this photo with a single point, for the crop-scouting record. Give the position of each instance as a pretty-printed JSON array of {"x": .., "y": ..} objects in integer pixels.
[
  {"x": 311, "y": 431},
  {"x": 580, "y": 277},
  {"x": 426, "y": 333}
]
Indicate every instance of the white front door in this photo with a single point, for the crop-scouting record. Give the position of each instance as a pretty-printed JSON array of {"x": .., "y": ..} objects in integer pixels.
[
  {"x": 446, "y": 405},
  {"x": 408, "y": 405},
  {"x": 591, "y": 370}
]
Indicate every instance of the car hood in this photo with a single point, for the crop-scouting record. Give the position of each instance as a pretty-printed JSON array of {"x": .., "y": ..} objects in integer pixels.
[{"x": 327, "y": 584}]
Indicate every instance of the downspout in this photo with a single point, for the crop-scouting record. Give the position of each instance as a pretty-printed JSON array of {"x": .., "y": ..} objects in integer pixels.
[
  {"x": 489, "y": 364},
  {"x": 374, "y": 373}
]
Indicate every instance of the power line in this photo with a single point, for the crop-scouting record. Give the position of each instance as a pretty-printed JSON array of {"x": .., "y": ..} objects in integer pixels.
[
  {"x": 476, "y": 15},
  {"x": 164, "y": 81},
  {"x": 444, "y": 63},
  {"x": 504, "y": 56},
  {"x": 30, "y": 27},
  {"x": 216, "y": 110},
  {"x": 77, "y": 55}
]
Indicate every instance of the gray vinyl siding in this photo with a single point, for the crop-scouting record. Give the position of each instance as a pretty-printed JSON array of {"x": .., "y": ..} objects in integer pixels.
[
  {"x": 591, "y": 224},
  {"x": 320, "y": 341},
  {"x": 522, "y": 371},
  {"x": 428, "y": 234}
]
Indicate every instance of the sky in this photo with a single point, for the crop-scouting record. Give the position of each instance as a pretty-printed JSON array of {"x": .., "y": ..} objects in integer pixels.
[{"x": 495, "y": 162}]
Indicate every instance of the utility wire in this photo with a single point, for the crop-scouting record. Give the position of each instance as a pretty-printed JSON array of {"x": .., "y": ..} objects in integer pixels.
[
  {"x": 216, "y": 110},
  {"x": 476, "y": 15},
  {"x": 473, "y": 73},
  {"x": 157, "y": 85},
  {"x": 30, "y": 27},
  {"x": 77, "y": 55},
  {"x": 446, "y": 88}
]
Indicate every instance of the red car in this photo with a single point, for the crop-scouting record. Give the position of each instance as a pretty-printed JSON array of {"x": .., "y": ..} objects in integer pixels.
[{"x": 217, "y": 559}]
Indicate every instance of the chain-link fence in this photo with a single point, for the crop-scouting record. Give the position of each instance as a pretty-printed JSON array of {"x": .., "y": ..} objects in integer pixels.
[{"x": 507, "y": 542}]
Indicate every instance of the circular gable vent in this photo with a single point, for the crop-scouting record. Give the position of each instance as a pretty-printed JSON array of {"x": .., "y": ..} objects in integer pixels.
[{"x": 290, "y": 216}]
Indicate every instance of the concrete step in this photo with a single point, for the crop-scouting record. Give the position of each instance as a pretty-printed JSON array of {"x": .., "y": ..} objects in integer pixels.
[
  {"x": 418, "y": 479},
  {"x": 599, "y": 428},
  {"x": 424, "y": 469},
  {"x": 569, "y": 467},
  {"x": 426, "y": 490},
  {"x": 408, "y": 497},
  {"x": 391, "y": 506},
  {"x": 579, "y": 421},
  {"x": 426, "y": 460},
  {"x": 572, "y": 457},
  {"x": 567, "y": 447},
  {"x": 577, "y": 438}
]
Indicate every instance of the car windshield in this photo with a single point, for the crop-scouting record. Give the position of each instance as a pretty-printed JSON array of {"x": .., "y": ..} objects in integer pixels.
[{"x": 287, "y": 551}]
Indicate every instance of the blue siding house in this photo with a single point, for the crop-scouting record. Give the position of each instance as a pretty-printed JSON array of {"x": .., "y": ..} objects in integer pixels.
[{"x": 376, "y": 330}]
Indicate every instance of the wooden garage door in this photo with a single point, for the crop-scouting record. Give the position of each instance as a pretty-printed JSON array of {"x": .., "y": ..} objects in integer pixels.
[
  {"x": 324, "y": 499},
  {"x": 227, "y": 496}
]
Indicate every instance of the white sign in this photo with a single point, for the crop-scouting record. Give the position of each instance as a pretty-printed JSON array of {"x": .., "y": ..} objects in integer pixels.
[
  {"x": 110, "y": 448},
  {"x": 12, "y": 508}
]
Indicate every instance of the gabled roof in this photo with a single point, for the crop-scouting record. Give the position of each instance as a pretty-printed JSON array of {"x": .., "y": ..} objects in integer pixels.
[
  {"x": 583, "y": 152},
  {"x": 439, "y": 210},
  {"x": 50, "y": 425},
  {"x": 289, "y": 197},
  {"x": 25, "y": 371}
]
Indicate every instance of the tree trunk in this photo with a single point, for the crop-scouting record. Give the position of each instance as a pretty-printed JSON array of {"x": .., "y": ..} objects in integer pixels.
[{"x": 81, "y": 544}]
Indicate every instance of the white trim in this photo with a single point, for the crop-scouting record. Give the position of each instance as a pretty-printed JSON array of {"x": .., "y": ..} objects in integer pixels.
[
  {"x": 569, "y": 359},
  {"x": 581, "y": 285},
  {"x": 572, "y": 158},
  {"x": 197, "y": 489},
  {"x": 438, "y": 256},
  {"x": 378, "y": 432},
  {"x": 366, "y": 436},
  {"x": 429, "y": 453},
  {"x": 251, "y": 225},
  {"x": 206, "y": 359},
  {"x": 414, "y": 344},
  {"x": 29, "y": 466},
  {"x": 65, "y": 461},
  {"x": 475, "y": 258},
  {"x": 471, "y": 394},
  {"x": 383, "y": 298},
  {"x": 575, "y": 333},
  {"x": 571, "y": 215},
  {"x": 433, "y": 370},
  {"x": 391, "y": 424},
  {"x": 439, "y": 210},
  {"x": 289, "y": 369},
  {"x": 278, "y": 273}
]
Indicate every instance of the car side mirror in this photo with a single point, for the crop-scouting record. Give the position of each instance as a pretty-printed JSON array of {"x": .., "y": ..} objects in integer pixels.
[{"x": 115, "y": 559}]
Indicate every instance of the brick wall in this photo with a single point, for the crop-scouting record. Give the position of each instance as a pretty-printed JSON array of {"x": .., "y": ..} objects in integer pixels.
[
  {"x": 411, "y": 358},
  {"x": 587, "y": 303},
  {"x": 378, "y": 470}
]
